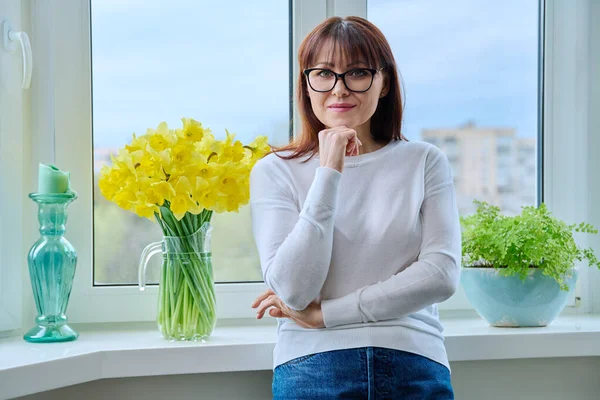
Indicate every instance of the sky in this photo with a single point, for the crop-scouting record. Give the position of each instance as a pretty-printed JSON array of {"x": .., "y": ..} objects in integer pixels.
[{"x": 226, "y": 64}]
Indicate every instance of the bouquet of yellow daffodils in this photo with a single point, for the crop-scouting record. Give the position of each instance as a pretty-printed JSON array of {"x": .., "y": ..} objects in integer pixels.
[{"x": 179, "y": 177}]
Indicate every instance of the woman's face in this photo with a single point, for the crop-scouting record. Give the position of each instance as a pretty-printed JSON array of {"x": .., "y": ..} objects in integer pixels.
[{"x": 340, "y": 106}]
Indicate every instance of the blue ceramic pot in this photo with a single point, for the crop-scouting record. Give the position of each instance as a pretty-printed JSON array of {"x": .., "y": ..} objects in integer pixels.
[{"x": 506, "y": 301}]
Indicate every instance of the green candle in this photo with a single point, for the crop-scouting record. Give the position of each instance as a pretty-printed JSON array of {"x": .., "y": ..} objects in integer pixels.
[{"x": 53, "y": 180}]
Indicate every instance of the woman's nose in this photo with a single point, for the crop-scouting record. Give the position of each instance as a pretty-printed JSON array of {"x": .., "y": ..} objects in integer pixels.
[{"x": 339, "y": 89}]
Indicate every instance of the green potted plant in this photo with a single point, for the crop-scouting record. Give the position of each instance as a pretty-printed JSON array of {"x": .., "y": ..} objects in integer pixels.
[{"x": 518, "y": 270}]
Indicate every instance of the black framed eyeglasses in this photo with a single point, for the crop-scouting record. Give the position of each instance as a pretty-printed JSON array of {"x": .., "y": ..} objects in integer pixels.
[{"x": 356, "y": 80}]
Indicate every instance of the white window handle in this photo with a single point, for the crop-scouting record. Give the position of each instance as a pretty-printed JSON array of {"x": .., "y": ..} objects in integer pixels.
[{"x": 12, "y": 40}]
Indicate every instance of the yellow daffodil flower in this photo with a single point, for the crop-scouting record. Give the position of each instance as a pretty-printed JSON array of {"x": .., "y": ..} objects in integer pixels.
[{"x": 185, "y": 169}]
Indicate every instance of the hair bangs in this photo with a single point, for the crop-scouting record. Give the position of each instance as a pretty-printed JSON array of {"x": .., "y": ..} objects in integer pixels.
[{"x": 348, "y": 45}]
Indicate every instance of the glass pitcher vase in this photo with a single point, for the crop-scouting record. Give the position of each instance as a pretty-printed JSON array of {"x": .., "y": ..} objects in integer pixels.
[{"x": 186, "y": 301}]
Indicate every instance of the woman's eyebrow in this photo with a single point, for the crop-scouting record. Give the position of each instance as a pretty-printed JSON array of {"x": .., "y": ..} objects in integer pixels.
[{"x": 329, "y": 64}]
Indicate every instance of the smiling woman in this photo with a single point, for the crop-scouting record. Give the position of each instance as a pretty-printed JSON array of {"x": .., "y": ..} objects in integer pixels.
[{"x": 344, "y": 304}]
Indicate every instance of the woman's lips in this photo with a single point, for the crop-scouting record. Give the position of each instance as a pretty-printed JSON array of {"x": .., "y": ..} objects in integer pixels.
[{"x": 341, "y": 107}]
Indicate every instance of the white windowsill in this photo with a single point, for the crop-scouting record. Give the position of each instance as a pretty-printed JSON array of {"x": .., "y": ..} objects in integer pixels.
[{"x": 128, "y": 350}]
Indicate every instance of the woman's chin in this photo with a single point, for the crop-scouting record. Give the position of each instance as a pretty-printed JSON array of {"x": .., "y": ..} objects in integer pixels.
[{"x": 347, "y": 122}]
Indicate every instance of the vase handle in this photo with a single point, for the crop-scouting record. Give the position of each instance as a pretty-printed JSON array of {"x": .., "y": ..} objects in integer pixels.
[{"x": 149, "y": 251}]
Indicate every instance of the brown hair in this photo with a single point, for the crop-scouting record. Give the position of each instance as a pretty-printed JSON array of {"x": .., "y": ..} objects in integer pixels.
[{"x": 357, "y": 38}]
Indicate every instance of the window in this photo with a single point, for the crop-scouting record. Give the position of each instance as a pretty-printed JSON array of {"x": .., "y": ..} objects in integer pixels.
[
  {"x": 437, "y": 99},
  {"x": 232, "y": 75},
  {"x": 263, "y": 46},
  {"x": 469, "y": 76}
]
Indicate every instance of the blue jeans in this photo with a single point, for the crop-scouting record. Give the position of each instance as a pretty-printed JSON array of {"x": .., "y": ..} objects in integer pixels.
[{"x": 362, "y": 373}]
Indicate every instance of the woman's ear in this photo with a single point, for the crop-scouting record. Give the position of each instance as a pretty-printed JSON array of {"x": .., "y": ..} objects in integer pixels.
[{"x": 386, "y": 86}]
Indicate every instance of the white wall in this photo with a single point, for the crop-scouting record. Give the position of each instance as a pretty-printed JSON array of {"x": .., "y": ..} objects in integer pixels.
[{"x": 528, "y": 379}]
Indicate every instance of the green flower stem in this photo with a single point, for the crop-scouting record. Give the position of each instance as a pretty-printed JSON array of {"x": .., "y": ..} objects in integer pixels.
[
  {"x": 201, "y": 280},
  {"x": 186, "y": 310},
  {"x": 187, "y": 298},
  {"x": 174, "y": 320},
  {"x": 200, "y": 285}
]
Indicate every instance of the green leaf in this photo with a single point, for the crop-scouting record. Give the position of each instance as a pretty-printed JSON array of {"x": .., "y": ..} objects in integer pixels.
[{"x": 513, "y": 244}]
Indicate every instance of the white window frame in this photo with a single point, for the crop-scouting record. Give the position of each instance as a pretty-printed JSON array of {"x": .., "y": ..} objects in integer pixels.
[
  {"x": 593, "y": 195},
  {"x": 69, "y": 108},
  {"x": 12, "y": 167},
  {"x": 571, "y": 189}
]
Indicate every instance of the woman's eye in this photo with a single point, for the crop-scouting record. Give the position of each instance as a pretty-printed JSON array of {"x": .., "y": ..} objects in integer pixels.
[
  {"x": 358, "y": 73},
  {"x": 325, "y": 74}
]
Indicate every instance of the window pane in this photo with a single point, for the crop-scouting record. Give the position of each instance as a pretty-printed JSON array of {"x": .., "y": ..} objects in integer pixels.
[
  {"x": 225, "y": 64},
  {"x": 470, "y": 72}
]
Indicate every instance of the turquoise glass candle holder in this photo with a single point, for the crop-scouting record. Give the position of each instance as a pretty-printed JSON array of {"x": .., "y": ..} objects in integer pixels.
[{"x": 52, "y": 260}]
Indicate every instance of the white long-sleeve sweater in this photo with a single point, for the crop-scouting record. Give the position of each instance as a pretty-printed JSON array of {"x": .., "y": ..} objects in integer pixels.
[{"x": 377, "y": 245}]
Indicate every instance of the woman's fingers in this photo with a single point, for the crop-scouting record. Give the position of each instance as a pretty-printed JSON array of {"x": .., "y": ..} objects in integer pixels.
[
  {"x": 266, "y": 303},
  {"x": 356, "y": 146},
  {"x": 353, "y": 146},
  {"x": 277, "y": 313},
  {"x": 269, "y": 301},
  {"x": 261, "y": 297}
]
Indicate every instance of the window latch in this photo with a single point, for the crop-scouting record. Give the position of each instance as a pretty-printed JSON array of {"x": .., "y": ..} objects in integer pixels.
[{"x": 12, "y": 40}]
